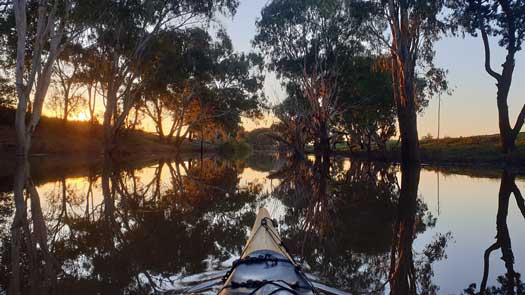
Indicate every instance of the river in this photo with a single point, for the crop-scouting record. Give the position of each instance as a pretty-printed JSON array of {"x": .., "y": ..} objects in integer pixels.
[{"x": 152, "y": 226}]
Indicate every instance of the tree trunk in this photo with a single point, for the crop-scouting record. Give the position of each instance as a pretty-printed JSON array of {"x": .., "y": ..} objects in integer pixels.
[
  {"x": 21, "y": 87},
  {"x": 409, "y": 136},
  {"x": 33, "y": 240},
  {"x": 66, "y": 106},
  {"x": 404, "y": 96},
  {"x": 507, "y": 134},
  {"x": 47, "y": 32},
  {"x": 109, "y": 134},
  {"x": 503, "y": 237},
  {"x": 18, "y": 225},
  {"x": 20, "y": 125},
  {"x": 324, "y": 139},
  {"x": 403, "y": 65}
]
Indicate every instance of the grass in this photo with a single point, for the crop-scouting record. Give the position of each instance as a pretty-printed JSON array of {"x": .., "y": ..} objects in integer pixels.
[
  {"x": 472, "y": 150},
  {"x": 54, "y": 137},
  {"x": 485, "y": 148}
]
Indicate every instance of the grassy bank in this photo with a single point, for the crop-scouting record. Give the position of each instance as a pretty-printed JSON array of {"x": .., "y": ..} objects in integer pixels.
[
  {"x": 79, "y": 138},
  {"x": 484, "y": 148},
  {"x": 469, "y": 151}
]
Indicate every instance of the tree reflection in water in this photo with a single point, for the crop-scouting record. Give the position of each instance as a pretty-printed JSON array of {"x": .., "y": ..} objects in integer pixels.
[
  {"x": 355, "y": 227},
  {"x": 139, "y": 232},
  {"x": 409, "y": 274},
  {"x": 30, "y": 259},
  {"x": 510, "y": 282},
  {"x": 123, "y": 229}
]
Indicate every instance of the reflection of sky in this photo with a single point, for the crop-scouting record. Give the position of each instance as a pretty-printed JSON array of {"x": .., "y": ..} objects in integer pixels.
[
  {"x": 468, "y": 208},
  {"x": 470, "y": 110}
]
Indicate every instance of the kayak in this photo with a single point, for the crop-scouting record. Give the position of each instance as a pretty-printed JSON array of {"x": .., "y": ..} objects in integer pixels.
[{"x": 265, "y": 267}]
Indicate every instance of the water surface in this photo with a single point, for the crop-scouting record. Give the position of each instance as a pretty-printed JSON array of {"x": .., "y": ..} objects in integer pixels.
[{"x": 138, "y": 228}]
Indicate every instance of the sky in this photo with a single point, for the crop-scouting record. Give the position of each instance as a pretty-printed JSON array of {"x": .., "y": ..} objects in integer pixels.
[{"x": 470, "y": 110}]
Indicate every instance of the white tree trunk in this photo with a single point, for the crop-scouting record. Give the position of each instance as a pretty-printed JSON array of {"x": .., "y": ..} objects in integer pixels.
[{"x": 47, "y": 30}]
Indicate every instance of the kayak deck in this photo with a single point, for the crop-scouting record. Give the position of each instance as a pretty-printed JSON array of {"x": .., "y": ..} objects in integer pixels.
[
  {"x": 265, "y": 266},
  {"x": 264, "y": 236}
]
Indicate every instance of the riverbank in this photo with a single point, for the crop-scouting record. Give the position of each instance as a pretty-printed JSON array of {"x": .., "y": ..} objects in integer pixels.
[
  {"x": 482, "y": 150},
  {"x": 54, "y": 137}
]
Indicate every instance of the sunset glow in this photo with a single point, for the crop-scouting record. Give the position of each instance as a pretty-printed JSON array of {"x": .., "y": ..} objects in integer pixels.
[{"x": 81, "y": 116}]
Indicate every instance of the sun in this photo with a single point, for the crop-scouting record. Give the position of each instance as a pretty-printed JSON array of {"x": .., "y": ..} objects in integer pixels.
[{"x": 82, "y": 116}]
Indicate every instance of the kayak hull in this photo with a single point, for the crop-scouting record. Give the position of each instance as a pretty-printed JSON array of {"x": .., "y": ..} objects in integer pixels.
[{"x": 265, "y": 267}]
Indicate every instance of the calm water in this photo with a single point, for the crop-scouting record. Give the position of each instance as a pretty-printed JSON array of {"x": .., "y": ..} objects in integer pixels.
[{"x": 105, "y": 228}]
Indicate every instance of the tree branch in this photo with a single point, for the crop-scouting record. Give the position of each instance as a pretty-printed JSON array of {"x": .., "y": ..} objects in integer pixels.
[
  {"x": 519, "y": 122},
  {"x": 486, "y": 45}
]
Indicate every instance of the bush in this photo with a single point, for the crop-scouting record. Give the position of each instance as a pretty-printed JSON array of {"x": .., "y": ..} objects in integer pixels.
[
  {"x": 235, "y": 149},
  {"x": 427, "y": 137}
]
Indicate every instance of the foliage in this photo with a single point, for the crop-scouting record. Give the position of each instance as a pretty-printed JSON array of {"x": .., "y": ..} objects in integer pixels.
[
  {"x": 120, "y": 37},
  {"x": 235, "y": 149},
  {"x": 366, "y": 95},
  {"x": 7, "y": 92},
  {"x": 260, "y": 138},
  {"x": 502, "y": 19},
  {"x": 305, "y": 40},
  {"x": 199, "y": 85},
  {"x": 408, "y": 30}
]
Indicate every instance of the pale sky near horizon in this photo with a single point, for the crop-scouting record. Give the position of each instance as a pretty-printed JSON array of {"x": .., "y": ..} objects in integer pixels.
[{"x": 470, "y": 110}]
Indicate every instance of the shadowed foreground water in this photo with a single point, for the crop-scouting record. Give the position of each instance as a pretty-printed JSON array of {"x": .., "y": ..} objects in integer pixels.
[{"x": 363, "y": 227}]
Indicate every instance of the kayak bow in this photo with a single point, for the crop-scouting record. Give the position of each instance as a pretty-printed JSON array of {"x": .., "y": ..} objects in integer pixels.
[{"x": 265, "y": 266}]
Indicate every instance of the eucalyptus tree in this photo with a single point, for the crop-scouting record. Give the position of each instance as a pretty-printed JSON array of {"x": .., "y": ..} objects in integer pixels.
[
  {"x": 42, "y": 28},
  {"x": 34, "y": 35},
  {"x": 366, "y": 95},
  {"x": 121, "y": 36},
  {"x": 68, "y": 97},
  {"x": 168, "y": 78},
  {"x": 504, "y": 20},
  {"x": 409, "y": 29},
  {"x": 304, "y": 41},
  {"x": 292, "y": 129},
  {"x": 89, "y": 75},
  {"x": 235, "y": 86},
  {"x": 192, "y": 82}
]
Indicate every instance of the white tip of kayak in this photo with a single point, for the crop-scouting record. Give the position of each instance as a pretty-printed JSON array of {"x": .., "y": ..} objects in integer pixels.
[
  {"x": 260, "y": 238},
  {"x": 263, "y": 212}
]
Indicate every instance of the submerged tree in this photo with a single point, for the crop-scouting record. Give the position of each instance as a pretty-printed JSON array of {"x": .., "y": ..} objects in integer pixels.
[{"x": 503, "y": 19}]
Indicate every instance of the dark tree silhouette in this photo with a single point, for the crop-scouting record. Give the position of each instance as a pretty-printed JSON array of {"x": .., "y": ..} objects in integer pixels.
[{"x": 502, "y": 19}]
